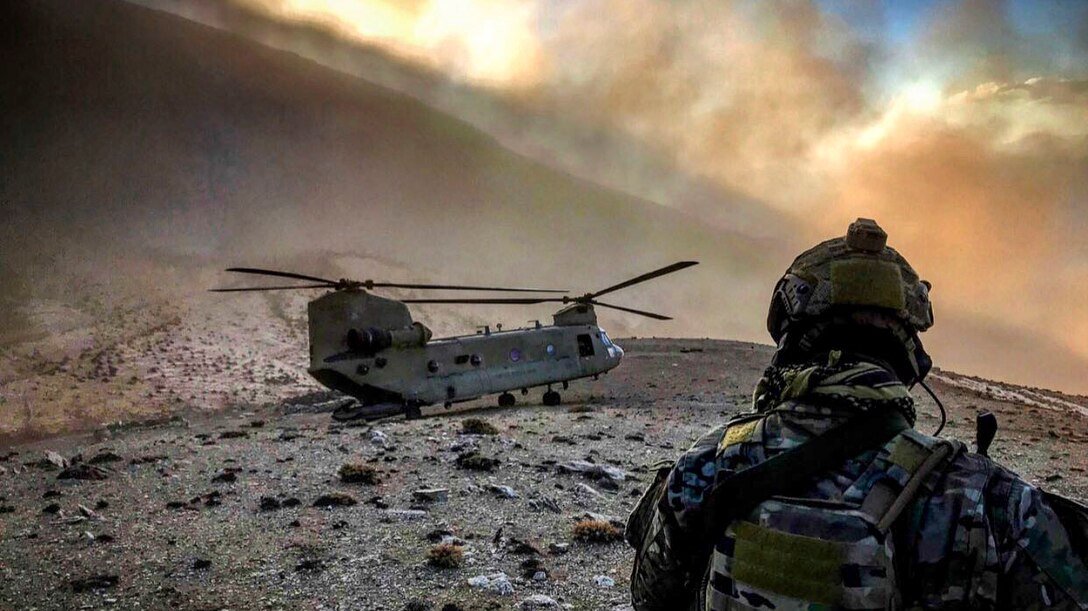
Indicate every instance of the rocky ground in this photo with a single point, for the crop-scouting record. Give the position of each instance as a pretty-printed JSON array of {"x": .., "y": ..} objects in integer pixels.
[{"x": 248, "y": 508}]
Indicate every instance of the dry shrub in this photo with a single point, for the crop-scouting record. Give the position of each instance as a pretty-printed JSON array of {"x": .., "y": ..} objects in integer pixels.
[
  {"x": 597, "y": 531},
  {"x": 446, "y": 556},
  {"x": 357, "y": 473},
  {"x": 478, "y": 426}
]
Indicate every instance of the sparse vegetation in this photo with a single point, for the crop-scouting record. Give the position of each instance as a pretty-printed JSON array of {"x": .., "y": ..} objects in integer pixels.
[
  {"x": 356, "y": 473},
  {"x": 580, "y": 409},
  {"x": 474, "y": 461},
  {"x": 596, "y": 531},
  {"x": 478, "y": 426},
  {"x": 335, "y": 499},
  {"x": 446, "y": 556}
]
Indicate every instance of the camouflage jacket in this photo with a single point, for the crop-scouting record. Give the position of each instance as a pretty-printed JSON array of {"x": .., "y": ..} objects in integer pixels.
[{"x": 975, "y": 537}]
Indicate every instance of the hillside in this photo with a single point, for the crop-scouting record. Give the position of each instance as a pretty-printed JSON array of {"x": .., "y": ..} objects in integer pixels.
[
  {"x": 143, "y": 152},
  {"x": 217, "y": 512}
]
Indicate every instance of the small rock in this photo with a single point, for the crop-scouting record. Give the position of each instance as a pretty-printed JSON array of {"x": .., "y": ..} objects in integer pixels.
[
  {"x": 517, "y": 546},
  {"x": 432, "y": 495},
  {"x": 538, "y": 601},
  {"x": 104, "y": 457},
  {"x": 406, "y": 514},
  {"x": 545, "y": 503},
  {"x": 55, "y": 459},
  {"x": 476, "y": 462},
  {"x": 83, "y": 471},
  {"x": 233, "y": 435},
  {"x": 505, "y": 492},
  {"x": 604, "y": 581},
  {"x": 310, "y": 565},
  {"x": 291, "y": 502},
  {"x": 88, "y": 513},
  {"x": 558, "y": 549},
  {"x": 95, "y": 582},
  {"x": 226, "y": 477},
  {"x": 52, "y": 508},
  {"x": 498, "y": 583},
  {"x": 201, "y": 563},
  {"x": 379, "y": 438},
  {"x": 269, "y": 503}
]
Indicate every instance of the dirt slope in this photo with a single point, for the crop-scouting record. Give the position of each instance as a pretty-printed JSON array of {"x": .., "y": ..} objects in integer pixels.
[{"x": 178, "y": 533}]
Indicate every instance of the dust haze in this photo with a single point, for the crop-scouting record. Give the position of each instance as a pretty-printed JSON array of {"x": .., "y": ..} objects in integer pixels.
[
  {"x": 536, "y": 145},
  {"x": 967, "y": 138}
]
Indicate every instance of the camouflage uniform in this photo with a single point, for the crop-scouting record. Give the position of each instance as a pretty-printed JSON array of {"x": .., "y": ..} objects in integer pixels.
[{"x": 975, "y": 536}]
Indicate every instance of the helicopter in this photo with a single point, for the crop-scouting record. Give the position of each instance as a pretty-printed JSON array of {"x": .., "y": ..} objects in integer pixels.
[{"x": 369, "y": 347}]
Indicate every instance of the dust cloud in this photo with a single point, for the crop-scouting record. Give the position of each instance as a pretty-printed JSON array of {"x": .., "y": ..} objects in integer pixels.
[
  {"x": 965, "y": 135},
  {"x": 731, "y": 132}
]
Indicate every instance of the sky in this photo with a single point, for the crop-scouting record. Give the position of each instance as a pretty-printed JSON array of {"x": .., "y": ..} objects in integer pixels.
[{"x": 962, "y": 127}]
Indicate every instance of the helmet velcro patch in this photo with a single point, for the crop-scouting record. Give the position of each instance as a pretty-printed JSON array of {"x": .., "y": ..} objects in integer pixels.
[{"x": 867, "y": 282}]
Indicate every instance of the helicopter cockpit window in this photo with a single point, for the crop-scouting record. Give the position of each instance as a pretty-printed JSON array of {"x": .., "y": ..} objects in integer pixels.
[
  {"x": 605, "y": 339},
  {"x": 585, "y": 345}
]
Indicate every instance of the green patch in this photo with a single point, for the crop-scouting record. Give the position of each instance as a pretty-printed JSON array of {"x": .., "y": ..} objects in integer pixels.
[
  {"x": 867, "y": 282},
  {"x": 799, "y": 567}
]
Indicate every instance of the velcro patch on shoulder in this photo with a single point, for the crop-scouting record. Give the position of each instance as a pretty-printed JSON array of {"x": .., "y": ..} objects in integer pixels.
[
  {"x": 738, "y": 433},
  {"x": 867, "y": 282}
]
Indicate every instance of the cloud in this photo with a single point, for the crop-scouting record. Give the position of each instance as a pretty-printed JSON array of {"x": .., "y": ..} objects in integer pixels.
[{"x": 967, "y": 137}]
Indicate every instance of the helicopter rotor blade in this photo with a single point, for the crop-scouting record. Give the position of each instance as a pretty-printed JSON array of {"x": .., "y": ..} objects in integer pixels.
[
  {"x": 458, "y": 287},
  {"x": 271, "y": 288},
  {"x": 668, "y": 269},
  {"x": 498, "y": 300},
  {"x": 632, "y": 311},
  {"x": 272, "y": 272}
]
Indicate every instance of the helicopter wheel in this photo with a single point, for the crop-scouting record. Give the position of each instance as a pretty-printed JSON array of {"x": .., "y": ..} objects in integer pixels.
[
  {"x": 412, "y": 411},
  {"x": 506, "y": 400},
  {"x": 551, "y": 398}
]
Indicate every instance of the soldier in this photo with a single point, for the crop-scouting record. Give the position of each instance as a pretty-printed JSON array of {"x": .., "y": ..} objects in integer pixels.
[{"x": 826, "y": 497}]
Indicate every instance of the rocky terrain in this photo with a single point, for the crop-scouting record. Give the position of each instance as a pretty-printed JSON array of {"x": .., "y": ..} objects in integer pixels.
[{"x": 279, "y": 507}]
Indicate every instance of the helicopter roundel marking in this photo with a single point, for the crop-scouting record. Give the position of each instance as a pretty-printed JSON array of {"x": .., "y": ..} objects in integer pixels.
[{"x": 515, "y": 355}]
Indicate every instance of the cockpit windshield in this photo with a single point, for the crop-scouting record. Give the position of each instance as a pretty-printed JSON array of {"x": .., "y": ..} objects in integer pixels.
[{"x": 604, "y": 338}]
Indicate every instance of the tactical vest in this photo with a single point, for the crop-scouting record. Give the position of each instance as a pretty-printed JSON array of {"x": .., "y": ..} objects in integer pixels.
[{"x": 801, "y": 553}]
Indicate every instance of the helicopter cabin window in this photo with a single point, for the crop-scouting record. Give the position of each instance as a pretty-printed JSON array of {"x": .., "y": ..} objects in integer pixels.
[
  {"x": 460, "y": 359},
  {"x": 585, "y": 345}
]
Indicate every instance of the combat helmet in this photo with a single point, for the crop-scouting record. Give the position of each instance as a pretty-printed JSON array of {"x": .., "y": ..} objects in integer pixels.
[{"x": 856, "y": 282}]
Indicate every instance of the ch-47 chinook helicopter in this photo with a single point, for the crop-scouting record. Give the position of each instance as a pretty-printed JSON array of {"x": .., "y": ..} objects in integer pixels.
[{"x": 369, "y": 347}]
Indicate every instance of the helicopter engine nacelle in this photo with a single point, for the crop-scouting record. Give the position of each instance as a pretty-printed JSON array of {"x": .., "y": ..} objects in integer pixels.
[
  {"x": 334, "y": 314},
  {"x": 373, "y": 340}
]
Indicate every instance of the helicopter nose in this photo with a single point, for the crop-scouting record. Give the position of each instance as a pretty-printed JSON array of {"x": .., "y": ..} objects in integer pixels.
[{"x": 618, "y": 354}]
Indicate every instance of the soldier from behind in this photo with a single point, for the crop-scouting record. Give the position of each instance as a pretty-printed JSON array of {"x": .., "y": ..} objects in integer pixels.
[{"x": 825, "y": 497}]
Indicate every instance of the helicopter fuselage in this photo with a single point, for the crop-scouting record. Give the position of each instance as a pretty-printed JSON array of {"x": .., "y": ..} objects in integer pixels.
[
  {"x": 368, "y": 347},
  {"x": 455, "y": 369}
]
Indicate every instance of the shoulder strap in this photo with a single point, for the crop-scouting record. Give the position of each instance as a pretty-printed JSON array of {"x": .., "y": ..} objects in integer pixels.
[{"x": 735, "y": 496}]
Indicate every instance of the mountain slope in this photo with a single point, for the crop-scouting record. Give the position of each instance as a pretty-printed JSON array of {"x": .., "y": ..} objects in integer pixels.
[{"x": 142, "y": 152}]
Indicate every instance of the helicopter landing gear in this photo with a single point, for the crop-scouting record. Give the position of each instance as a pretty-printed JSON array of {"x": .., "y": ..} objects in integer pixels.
[
  {"x": 412, "y": 411},
  {"x": 551, "y": 398},
  {"x": 506, "y": 400}
]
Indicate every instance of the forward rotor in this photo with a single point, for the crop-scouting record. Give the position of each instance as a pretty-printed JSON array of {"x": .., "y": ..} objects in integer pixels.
[{"x": 588, "y": 298}]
